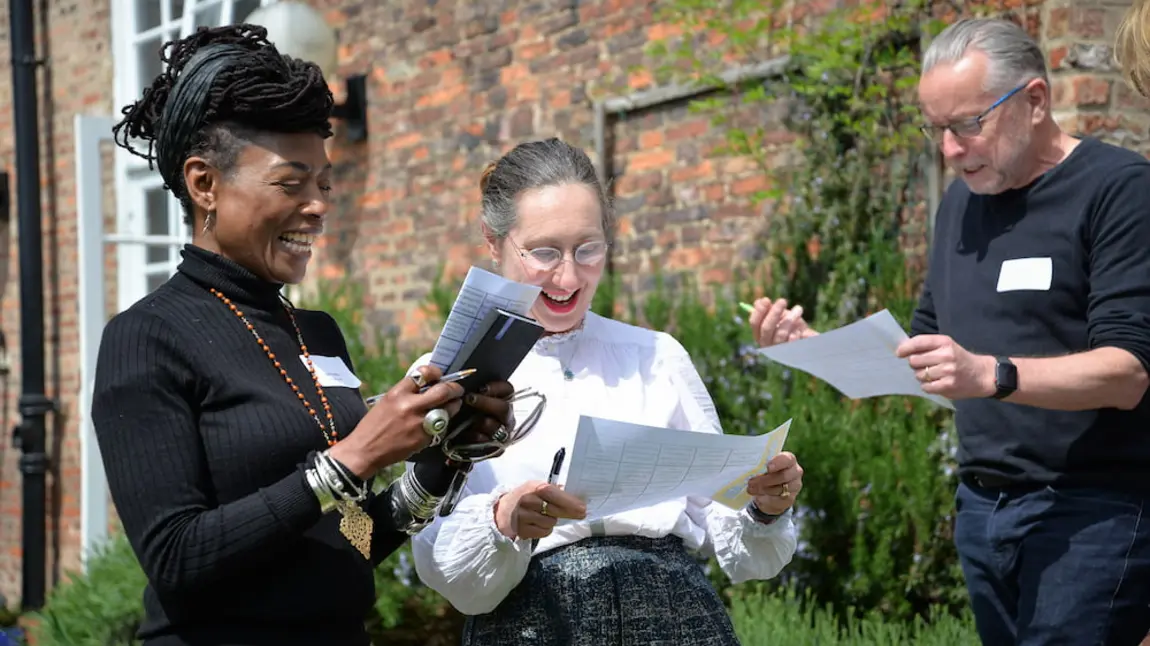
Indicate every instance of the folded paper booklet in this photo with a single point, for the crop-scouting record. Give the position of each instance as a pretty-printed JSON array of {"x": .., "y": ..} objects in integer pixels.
[
  {"x": 481, "y": 292},
  {"x": 496, "y": 348},
  {"x": 617, "y": 466},
  {"x": 494, "y": 343}
]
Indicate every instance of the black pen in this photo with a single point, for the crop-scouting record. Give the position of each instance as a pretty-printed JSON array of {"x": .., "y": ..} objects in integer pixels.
[{"x": 556, "y": 467}]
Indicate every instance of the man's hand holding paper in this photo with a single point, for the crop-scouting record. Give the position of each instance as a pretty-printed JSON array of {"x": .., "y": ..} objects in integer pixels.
[
  {"x": 946, "y": 368},
  {"x": 859, "y": 360}
]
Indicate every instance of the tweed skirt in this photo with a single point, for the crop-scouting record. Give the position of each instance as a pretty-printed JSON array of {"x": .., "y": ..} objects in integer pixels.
[{"x": 609, "y": 591}]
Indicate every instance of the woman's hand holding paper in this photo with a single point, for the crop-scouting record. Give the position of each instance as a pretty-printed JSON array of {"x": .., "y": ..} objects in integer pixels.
[{"x": 774, "y": 492}]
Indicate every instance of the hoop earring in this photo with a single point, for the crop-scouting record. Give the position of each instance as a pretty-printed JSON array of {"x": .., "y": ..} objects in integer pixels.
[{"x": 208, "y": 222}]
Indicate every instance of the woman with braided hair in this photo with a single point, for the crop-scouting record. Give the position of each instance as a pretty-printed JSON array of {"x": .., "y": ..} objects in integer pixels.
[{"x": 240, "y": 454}]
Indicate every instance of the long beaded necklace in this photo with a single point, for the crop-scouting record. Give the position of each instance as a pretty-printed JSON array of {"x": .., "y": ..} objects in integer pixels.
[{"x": 354, "y": 524}]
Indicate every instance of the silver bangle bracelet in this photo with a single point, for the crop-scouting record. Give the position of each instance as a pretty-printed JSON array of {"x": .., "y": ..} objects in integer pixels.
[
  {"x": 416, "y": 497},
  {"x": 325, "y": 497},
  {"x": 412, "y": 507},
  {"x": 332, "y": 473}
]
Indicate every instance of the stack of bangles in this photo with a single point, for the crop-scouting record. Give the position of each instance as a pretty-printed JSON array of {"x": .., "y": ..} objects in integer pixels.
[
  {"x": 411, "y": 506},
  {"x": 331, "y": 482}
]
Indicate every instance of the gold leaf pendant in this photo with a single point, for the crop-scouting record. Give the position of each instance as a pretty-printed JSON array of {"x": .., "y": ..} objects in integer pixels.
[{"x": 356, "y": 527}]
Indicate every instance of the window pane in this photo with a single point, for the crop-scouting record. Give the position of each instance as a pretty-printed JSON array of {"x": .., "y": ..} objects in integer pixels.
[
  {"x": 156, "y": 206},
  {"x": 148, "y": 53},
  {"x": 208, "y": 16},
  {"x": 157, "y": 253},
  {"x": 156, "y": 220},
  {"x": 243, "y": 8},
  {"x": 155, "y": 280},
  {"x": 147, "y": 14},
  {"x": 177, "y": 9}
]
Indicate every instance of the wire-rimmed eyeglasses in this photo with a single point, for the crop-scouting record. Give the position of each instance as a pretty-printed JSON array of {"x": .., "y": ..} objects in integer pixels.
[{"x": 587, "y": 254}]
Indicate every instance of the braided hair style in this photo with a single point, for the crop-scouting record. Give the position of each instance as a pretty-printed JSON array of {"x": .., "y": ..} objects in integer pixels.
[{"x": 220, "y": 88}]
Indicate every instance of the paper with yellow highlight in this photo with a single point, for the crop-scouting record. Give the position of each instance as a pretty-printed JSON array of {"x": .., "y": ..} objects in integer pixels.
[{"x": 616, "y": 466}]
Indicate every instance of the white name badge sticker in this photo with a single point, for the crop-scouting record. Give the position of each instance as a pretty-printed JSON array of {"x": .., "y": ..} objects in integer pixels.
[
  {"x": 332, "y": 372},
  {"x": 1026, "y": 274}
]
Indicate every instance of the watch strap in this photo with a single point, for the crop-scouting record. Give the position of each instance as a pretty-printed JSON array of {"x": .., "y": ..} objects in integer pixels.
[
  {"x": 760, "y": 516},
  {"x": 1005, "y": 377}
]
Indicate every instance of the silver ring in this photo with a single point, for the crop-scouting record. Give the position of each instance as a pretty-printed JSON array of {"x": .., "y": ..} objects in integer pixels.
[
  {"x": 500, "y": 435},
  {"x": 420, "y": 382},
  {"x": 435, "y": 423}
]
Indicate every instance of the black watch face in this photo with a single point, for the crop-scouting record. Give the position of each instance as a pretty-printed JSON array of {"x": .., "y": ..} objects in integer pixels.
[{"x": 1006, "y": 376}]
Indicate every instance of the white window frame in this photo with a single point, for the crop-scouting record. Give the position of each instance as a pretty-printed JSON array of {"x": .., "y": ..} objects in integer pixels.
[{"x": 133, "y": 177}]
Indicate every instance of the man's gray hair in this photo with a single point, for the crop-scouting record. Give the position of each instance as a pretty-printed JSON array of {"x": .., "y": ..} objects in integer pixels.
[{"x": 1014, "y": 56}]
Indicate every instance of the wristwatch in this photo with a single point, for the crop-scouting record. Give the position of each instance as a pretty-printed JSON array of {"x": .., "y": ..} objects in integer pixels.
[
  {"x": 1005, "y": 377},
  {"x": 760, "y": 516}
]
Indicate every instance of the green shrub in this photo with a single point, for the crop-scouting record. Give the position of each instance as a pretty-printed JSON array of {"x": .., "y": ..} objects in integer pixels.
[
  {"x": 104, "y": 606},
  {"x": 784, "y": 617},
  {"x": 876, "y": 513}
]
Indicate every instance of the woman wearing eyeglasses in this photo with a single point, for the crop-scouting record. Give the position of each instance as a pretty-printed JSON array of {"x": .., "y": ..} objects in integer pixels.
[{"x": 628, "y": 578}]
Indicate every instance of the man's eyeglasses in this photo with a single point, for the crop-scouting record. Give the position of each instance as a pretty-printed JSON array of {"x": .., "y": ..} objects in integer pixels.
[
  {"x": 967, "y": 127},
  {"x": 587, "y": 254}
]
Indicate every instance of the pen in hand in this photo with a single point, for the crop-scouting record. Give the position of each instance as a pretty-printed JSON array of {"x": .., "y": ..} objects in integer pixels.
[
  {"x": 459, "y": 375},
  {"x": 556, "y": 467}
]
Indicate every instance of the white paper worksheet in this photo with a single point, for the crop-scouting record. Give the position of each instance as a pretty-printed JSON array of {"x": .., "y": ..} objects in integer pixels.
[
  {"x": 481, "y": 292},
  {"x": 616, "y": 466},
  {"x": 858, "y": 359}
]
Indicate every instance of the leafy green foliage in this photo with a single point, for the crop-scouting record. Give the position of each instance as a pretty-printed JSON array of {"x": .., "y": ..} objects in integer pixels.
[
  {"x": 786, "y": 617},
  {"x": 876, "y": 514},
  {"x": 103, "y": 606}
]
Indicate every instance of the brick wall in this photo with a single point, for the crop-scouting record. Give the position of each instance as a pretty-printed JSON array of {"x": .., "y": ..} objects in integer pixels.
[
  {"x": 1089, "y": 94},
  {"x": 77, "y": 43},
  {"x": 452, "y": 85}
]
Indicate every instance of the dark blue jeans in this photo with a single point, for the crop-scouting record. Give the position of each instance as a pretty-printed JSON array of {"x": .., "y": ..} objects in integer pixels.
[{"x": 1055, "y": 566}]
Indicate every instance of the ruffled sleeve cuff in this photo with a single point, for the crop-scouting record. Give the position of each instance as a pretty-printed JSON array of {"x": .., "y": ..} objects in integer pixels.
[
  {"x": 468, "y": 560},
  {"x": 749, "y": 550}
]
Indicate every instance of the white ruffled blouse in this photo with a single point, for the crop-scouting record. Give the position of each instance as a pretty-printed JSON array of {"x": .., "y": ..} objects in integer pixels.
[{"x": 621, "y": 372}]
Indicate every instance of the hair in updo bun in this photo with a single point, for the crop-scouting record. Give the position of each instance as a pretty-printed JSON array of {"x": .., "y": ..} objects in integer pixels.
[
  {"x": 485, "y": 176},
  {"x": 530, "y": 165}
]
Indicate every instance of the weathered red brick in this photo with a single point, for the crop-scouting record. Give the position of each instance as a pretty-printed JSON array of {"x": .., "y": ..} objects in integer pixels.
[{"x": 1081, "y": 90}]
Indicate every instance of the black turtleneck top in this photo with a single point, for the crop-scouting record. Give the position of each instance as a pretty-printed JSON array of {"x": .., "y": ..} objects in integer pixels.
[{"x": 205, "y": 445}]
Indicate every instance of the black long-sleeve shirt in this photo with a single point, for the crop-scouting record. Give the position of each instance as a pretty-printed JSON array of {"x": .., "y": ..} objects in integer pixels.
[
  {"x": 205, "y": 444},
  {"x": 1086, "y": 225}
]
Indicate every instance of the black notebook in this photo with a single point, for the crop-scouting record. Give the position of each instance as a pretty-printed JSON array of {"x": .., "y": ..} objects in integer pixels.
[{"x": 499, "y": 344}]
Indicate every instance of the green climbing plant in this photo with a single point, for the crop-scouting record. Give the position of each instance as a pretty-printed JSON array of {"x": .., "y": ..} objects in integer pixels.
[{"x": 845, "y": 238}]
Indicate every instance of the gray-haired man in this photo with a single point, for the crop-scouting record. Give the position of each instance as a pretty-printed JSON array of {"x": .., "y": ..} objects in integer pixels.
[{"x": 1035, "y": 319}]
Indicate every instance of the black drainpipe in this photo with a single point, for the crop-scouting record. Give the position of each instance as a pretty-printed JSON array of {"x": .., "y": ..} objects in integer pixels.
[{"x": 34, "y": 405}]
